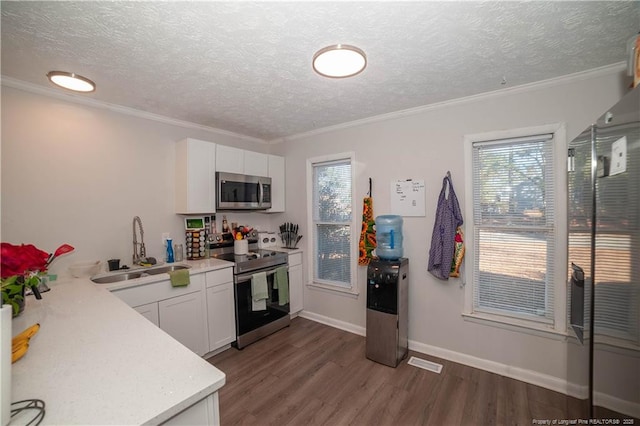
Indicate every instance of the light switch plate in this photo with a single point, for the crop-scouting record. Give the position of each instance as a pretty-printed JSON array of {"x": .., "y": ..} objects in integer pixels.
[{"x": 618, "y": 156}]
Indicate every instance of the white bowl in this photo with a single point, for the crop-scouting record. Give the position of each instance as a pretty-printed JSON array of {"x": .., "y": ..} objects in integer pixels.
[{"x": 85, "y": 269}]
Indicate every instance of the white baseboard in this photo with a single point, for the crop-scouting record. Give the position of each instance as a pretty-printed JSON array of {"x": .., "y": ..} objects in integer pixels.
[
  {"x": 342, "y": 325},
  {"x": 623, "y": 406},
  {"x": 216, "y": 352},
  {"x": 528, "y": 376}
]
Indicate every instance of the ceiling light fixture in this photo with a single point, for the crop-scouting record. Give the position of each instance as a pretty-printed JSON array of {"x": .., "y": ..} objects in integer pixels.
[
  {"x": 339, "y": 61},
  {"x": 71, "y": 81}
]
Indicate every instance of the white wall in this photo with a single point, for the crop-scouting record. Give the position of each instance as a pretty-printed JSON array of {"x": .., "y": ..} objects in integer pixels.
[
  {"x": 77, "y": 174},
  {"x": 424, "y": 145}
]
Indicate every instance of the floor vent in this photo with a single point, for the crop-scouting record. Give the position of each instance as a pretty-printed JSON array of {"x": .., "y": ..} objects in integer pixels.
[{"x": 427, "y": 365}]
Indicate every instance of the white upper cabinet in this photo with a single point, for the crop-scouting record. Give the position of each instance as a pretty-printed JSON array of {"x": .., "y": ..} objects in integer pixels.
[
  {"x": 229, "y": 159},
  {"x": 240, "y": 161},
  {"x": 195, "y": 176},
  {"x": 276, "y": 173},
  {"x": 256, "y": 164}
]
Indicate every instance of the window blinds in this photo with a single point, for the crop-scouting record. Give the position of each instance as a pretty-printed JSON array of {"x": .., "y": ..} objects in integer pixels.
[
  {"x": 332, "y": 209},
  {"x": 513, "y": 218}
]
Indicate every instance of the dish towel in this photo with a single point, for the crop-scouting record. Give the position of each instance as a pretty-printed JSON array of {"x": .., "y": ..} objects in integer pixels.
[
  {"x": 179, "y": 278},
  {"x": 281, "y": 283},
  {"x": 443, "y": 240},
  {"x": 259, "y": 291}
]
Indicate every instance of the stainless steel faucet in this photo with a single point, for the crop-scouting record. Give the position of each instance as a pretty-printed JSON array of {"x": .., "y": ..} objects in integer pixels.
[{"x": 138, "y": 255}]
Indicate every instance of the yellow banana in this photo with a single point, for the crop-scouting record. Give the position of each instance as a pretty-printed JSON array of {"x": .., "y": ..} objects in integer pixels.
[
  {"x": 19, "y": 345},
  {"x": 16, "y": 355},
  {"x": 26, "y": 334}
]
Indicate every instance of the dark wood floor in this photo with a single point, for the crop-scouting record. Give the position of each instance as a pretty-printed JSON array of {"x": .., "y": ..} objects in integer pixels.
[{"x": 313, "y": 374}]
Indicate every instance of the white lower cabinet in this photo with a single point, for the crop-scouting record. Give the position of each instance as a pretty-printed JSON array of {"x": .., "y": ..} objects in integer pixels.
[
  {"x": 201, "y": 315},
  {"x": 150, "y": 312},
  {"x": 220, "y": 308},
  {"x": 182, "y": 318},
  {"x": 296, "y": 295},
  {"x": 180, "y": 311},
  {"x": 205, "y": 412}
]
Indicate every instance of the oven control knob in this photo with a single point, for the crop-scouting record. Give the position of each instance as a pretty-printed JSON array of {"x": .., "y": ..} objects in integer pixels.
[{"x": 218, "y": 238}]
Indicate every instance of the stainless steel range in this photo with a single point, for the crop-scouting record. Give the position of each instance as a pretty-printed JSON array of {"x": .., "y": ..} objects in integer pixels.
[{"x": 253, "y": 321}]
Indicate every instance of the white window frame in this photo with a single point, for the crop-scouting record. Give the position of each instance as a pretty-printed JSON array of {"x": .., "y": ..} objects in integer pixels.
[
  {"x": 352, "y": 289},
  {"x": 559, "y": 325}
]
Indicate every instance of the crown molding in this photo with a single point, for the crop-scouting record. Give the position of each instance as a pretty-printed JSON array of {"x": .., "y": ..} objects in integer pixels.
[
  {"x": 552, "y": 82},
  {"x": 79, "y": 99}
]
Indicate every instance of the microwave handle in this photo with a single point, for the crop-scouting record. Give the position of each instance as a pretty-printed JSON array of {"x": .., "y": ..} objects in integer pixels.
[{"x": 260, "y": 194}]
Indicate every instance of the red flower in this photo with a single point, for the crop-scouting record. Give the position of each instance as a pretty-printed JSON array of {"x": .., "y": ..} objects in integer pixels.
[{"x": 18, "y": 260}]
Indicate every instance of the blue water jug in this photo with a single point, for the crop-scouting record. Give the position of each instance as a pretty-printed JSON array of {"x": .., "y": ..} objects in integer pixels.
[{"x": 389, "y": 237}]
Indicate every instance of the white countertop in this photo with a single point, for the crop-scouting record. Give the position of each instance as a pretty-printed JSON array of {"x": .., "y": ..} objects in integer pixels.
[{"x": 97, "y": 361}]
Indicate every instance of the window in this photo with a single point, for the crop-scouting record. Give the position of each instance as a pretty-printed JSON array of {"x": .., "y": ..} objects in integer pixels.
[
  {"x": 331, "y": 221},
  {"x": 513, "y": 267}
]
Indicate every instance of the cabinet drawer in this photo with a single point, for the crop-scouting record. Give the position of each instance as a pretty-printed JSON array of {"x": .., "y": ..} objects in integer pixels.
[
  {"x": 219, "y": 276},
  {"x": 156, "y": 291},
  {"x": 295, "y": 259}
]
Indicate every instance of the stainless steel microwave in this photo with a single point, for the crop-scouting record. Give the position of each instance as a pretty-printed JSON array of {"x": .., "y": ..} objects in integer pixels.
[{"x": 242, "y": 192}]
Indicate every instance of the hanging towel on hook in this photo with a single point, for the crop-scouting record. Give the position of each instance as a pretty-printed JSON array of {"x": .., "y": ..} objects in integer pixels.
[
  {"x": 368, "y": 233},
  {"x": 443, "y": 240}
]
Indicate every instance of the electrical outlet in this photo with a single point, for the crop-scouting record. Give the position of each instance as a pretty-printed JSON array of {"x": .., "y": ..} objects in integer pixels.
[{"x": 165, "y": 235}]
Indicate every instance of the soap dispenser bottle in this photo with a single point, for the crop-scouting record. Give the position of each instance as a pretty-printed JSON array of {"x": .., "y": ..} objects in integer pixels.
[{"x": 170, "y": 250}]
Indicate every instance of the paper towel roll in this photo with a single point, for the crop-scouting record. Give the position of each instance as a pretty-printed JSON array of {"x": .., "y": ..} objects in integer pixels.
[{"x": 5, "y": 364}]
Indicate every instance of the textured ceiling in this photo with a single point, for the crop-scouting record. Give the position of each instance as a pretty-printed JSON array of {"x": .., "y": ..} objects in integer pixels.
[{"x": 245, "y": 67}]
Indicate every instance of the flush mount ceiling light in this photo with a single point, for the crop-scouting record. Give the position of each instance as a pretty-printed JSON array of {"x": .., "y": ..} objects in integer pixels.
[
  {"x": 339, "y": 61},
  {"x": 71, "y": 81}
]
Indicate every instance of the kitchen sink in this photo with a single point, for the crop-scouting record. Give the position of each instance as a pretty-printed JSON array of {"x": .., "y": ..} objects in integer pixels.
[
  {"x": 165, "y": 269},
  {"x": 114, "y": 278},
  {"x": 117, "y": 278}
]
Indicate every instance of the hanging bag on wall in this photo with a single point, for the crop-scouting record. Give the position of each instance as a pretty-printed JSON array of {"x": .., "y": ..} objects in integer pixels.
[{"x": 443, "y": 240}]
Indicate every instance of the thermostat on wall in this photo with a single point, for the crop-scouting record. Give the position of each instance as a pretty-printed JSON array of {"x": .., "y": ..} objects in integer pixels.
[{"x": 191, "y": 223}]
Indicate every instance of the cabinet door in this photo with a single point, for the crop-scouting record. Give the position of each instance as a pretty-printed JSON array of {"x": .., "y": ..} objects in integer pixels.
[
  {"x": 229, "y": 159},
  {"x": 182, "y": 317},
  {"x": 150, "y": 312},
  {"x": 295, "y": 289},
  {"x": 256, "y": 163},
  {"x": 205, "y": 412},
  {"x": 276, "y": 173},
  {"x": 221, "y": 315},
  {"x": 195, "y": 176}
]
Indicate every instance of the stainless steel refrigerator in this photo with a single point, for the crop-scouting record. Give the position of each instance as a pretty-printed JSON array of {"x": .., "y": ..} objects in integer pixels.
[{"x": 604, "y": 263}]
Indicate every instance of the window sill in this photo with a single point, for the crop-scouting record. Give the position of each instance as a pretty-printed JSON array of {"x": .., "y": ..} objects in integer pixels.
[
  {"x": 513, "y": 324},
  {"x": 342, "y": 291}
]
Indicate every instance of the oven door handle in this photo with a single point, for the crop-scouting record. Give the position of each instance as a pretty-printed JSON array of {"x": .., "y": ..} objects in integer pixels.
[{"x": 247, "y": 277}]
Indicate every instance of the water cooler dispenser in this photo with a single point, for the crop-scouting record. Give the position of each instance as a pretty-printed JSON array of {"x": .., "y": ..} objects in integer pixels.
[{"x": 387, "y": 318}]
